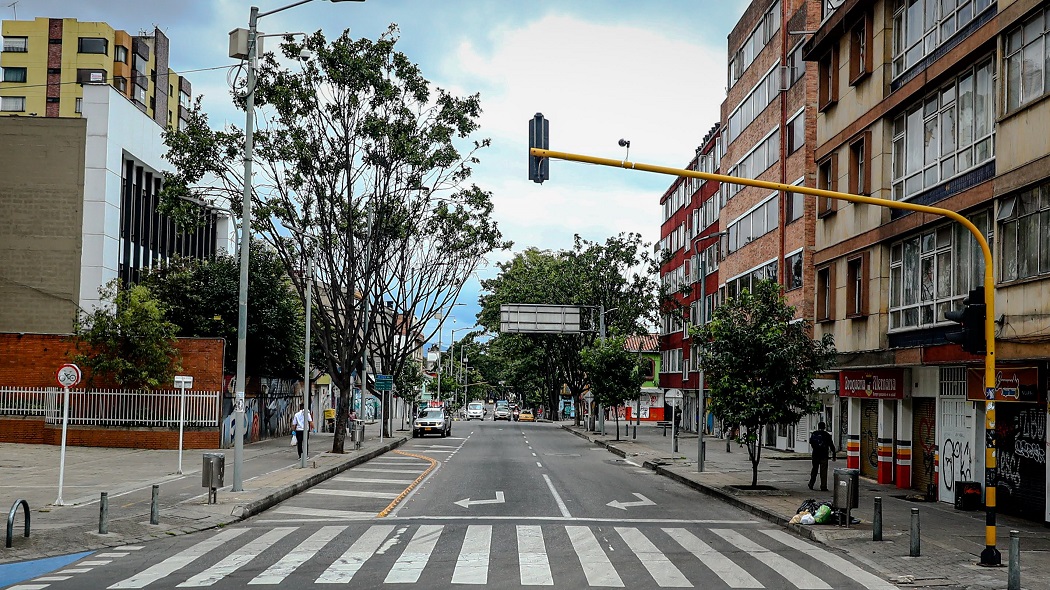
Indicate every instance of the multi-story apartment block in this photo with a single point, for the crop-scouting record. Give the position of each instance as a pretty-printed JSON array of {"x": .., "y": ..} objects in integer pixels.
[
  {"x": 46, "y": 61},
  {"x": 943, "y": 104},
  {"x": 769, "y": 115},
  {"x": 689, "y": 277}
]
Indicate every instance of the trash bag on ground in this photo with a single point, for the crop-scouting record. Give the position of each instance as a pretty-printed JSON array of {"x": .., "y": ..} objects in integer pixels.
[
  {"x": 809, "y": 506},
  {"x": 808, "y": 519},
  {"x": 797, "y": 519},
  {"x": 823, "y": 514}
]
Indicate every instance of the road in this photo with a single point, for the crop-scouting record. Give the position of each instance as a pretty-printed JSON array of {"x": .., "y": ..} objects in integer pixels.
[{"x": 497, "y": 504}]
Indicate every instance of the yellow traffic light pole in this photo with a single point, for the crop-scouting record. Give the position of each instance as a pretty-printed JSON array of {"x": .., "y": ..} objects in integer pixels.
[{"x": 990, "y": 556}]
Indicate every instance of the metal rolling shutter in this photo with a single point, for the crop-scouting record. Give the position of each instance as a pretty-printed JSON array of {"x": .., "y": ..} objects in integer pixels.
[
  {"x": 924, "y": 445},
  {"x": 869, "y": 434}
]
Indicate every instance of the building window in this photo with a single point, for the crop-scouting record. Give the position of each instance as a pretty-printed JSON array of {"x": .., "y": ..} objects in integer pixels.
[
  {"x": 79, "y": 108},
  {"x": 825, "y": 294},
  {"x": 857, "y": 286},
  {"x": 756, "y": 101},
  {"x": 755, "y": 223},
  {"x": 121, "y": 84},
  {"x": 748, "y": 280},
  {"x": 14, "y": 74},
  {"x": 920, "y": 26},
  {"x": 93, "y": 45},
  {"x": 752, "y": 46},
  {"x": 16, "y": 44},
  {"x": 931, "y": 271},
  {"x": 795, "y": 204},
  {"x": 1024, "y": 227},
  {"x": 755, "y": 162},
  {"x": 793, "y": 271},
  {"x": 184, "y": 99},
  {"x": 13, "y": 104},
  {"x": 859, "y": 171},
  {"x": 948, "y": 132},
  {"x": 828, "y": 83},
  {"x": 796, "y": 67},
  {"x": 796, "y": 132},
  {"x": 827, "y": 179},
  {"x": 120, "y": 54},
  {"x": 860, "y": 50},
  {"x": 1026, "y": 61}
]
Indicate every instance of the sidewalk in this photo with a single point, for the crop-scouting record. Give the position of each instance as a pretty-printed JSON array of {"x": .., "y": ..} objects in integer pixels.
[
  {"x": 951, "y": 540},
  {"x": 270, "y": 474}
]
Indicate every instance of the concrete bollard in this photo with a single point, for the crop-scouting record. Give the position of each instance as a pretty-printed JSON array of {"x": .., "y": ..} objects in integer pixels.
[
  {"x": 1013, "y": 579},
  {"x": 154, "y": 511},
  {"x": 914, "y": 533},
  {"x": 876, "y": 522},
  {"x": 103, "y": 514},
  {"x": 634, "y": 432}
]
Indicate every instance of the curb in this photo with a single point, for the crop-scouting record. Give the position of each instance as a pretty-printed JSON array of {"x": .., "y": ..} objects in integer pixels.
[
  {"x": 250, "y": 509},
  {"x": 714, "y": 492}
]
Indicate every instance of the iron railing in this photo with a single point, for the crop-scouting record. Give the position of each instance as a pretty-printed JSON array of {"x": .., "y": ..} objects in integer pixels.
[{"x": 113, "y": 407}]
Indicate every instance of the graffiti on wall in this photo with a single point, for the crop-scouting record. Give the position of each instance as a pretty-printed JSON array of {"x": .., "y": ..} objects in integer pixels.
[
  {"x": 928, "y": 447},
  {"x": 1021, "y": 449},
  {"x": 956, "y": 462},
  {"x": 267, "y": 415}
]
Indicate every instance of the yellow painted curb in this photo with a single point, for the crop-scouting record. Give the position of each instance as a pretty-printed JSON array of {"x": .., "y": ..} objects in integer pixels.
[{"x": 411, "y": 486}]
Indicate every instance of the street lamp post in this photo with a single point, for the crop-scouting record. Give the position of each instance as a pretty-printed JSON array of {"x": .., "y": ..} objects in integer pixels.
[
  {"x": 246, "y": 226},
  {"x": 701, "y": 446},
  {"x": 306, "y": 373},
  {"x": 454, "y": 330}
]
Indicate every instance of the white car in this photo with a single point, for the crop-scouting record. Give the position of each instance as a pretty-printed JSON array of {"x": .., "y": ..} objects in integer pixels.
[
  {"x": 432, "y": 421},
  {"x": 475, "y": 411}
]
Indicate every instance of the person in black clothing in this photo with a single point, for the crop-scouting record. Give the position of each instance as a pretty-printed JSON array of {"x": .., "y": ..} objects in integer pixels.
[
  {"x": 677, "y": 420},
  {"x": 821, "y": 442}
]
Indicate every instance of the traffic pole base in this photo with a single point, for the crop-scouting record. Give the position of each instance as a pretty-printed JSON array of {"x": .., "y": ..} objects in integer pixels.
[{"x": 991, "y": 557}]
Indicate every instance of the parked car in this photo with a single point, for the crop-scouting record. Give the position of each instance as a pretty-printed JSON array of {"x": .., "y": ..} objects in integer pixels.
[
  {"x": 432, "y": 421},
  {"x": 501, "y": 413},
  {"x": 475, "y": 411},
  {"x": 526, "y": 416}
]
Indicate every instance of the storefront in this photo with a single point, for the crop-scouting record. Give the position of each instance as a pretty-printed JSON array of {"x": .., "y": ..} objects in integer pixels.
[
  {"x": 650, "y": 406},
  {"x": 874, "y": 396},
  {"x": 1020, "y": 419}
]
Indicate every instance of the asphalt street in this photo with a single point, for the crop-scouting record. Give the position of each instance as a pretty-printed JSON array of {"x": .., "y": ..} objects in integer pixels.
[{"x": 497, "y": 504}]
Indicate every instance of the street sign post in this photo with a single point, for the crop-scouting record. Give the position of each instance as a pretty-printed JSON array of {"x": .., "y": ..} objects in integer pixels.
[
  {"x": 182, "y": 382},
  {"x": 68, "y": 375},
  {"x": 384, "y": 383}
]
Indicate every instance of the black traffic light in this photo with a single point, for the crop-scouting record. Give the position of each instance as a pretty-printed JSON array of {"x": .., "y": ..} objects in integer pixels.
[
  {"x": 539, "y": 168},
  {"x": 972, "y": 318}
]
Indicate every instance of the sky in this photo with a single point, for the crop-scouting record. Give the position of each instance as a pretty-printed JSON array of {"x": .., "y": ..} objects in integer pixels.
[{"x": 651, "y": 72}]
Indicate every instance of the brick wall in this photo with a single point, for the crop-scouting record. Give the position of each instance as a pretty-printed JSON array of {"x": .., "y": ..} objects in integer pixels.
[{"x": 33, "y": 430}]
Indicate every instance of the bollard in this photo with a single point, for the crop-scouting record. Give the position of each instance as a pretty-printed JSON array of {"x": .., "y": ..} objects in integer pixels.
[
  {"x": 1013, "y": 579},
  {"x": 876, "y": 522},
  {"x": 914, "y": 533},
  {"x": 154, "y": 512},
  {"x": 634, "y": 433},
  {"x": 103, "y": 514}
]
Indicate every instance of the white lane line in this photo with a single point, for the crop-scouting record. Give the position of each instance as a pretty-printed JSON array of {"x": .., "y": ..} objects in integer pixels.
[
  {"x": 660, "y": 568},
  {"x": 534, "y": 454},
  {"x": 414, "y": 558},
  {"x": 29, "y": 587},
  {"x": 794, "y": 573},
  {"x": 111, "y": 555},
  {"x": 369, "y": 470},
  {"x": 732, "y": 574},
  {"x": 532, "y": 557},
  {"x": 321, "y": 513},
  {"x": 237, "y": 559},
  {"x": 344, "y": 568},
  {"x": 178, "y": 561},
  {"x": 586, "y": 519},
  {"x": 76, "y": 570},
  {"x": 130, "y": 547},
  {"x": 371, "y": 480},
  {"x": 472, "y": 566},
  {"x": 629, "y": 462},
  {"x": 538, "y": 464},
  {"x": 561, "y": 505},
  {"x": 354, "y": 494},
  {"x": 276, "y": 573},
  {"x": 835, "y": 562},
  {"x": 596, "y": 565},
  {"x": 52, "y": 578},
  {"x": 95, "y": 562}
]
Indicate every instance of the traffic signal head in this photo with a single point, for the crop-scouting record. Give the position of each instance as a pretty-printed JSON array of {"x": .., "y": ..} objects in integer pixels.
[
  {"x": 539, "y": 168},
  {"x": 972, "y": 318}
]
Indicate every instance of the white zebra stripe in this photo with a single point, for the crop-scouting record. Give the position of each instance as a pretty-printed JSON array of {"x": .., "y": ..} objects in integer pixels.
[
  {"x": 596, "y": 565},
  {"x": 276, "y": 573},
  {"x": 414, "y": 558},
  {"x": 177, "y": 561},
  {"x": 472, "y": 566},
  {"x": 732, "y": 574},
  {"x": 794, "y": 573},
  {"x": 344, "y": 568},
  {"x": 238, "y": 558},
  {"x": 660, "y": 568},
  {"x": 535, "y": 569}
]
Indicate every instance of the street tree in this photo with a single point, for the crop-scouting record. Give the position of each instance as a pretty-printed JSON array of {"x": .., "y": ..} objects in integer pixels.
[
  {"x": 613, "y": 373},
  {"x": 128, "y": 340},
  {"x": 371, "y": 165},
  {"x": 616, "y": 275},
  {"x": 760, "y": 364},
  {"x": 200, "y": 298}
]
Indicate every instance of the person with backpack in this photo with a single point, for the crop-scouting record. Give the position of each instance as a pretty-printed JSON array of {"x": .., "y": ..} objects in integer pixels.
[{"x": 821, "y": 442}]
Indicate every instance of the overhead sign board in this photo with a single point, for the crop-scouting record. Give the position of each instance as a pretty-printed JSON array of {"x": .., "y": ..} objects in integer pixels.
[
  {"x": 872, "y": 383},
  {"x": 525, "y": 318},
  {"x": 1012, "y": 384},
  {"x": 384, "y": 383}
]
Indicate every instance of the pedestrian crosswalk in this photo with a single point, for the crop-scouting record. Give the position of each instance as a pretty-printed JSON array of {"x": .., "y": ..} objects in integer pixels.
[{"x": 476, "y": 554}]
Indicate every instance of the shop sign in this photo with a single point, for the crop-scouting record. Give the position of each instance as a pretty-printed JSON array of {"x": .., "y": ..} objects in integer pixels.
[
  {"x": 1012, "y": 384},
  {"x": 872, "y": 383}
]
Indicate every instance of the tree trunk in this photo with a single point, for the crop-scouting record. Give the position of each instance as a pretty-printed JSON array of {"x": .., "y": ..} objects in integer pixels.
[
  {"x": 616, "y": 410},
  {"x": 342, "y": 413}
]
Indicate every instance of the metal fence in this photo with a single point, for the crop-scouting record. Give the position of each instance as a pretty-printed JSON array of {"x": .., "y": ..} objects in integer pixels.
[{"x": 113, "y": 407}]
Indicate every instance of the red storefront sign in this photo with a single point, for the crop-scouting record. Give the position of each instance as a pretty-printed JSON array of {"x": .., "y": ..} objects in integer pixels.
[
  {"x": 1012, "y": 384},
  {"x": 872, "y": 383}
]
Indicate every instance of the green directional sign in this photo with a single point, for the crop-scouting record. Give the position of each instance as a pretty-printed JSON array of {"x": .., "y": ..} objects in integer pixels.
[{"x": 384, "y": 383}]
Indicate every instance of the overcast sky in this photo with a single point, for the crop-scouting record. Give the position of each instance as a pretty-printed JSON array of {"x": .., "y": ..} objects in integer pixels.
[{"x": 650, "y": 71}]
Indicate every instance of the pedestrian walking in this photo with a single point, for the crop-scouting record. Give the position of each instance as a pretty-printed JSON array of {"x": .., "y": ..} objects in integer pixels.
[
  {"x": 302, "y": 423},
  {"x": 677, "y": 420},
  {"x": 822, "y": 444}
]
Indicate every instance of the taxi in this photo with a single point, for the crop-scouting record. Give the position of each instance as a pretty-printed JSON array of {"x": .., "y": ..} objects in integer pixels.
[{"x": 526, "y": 416}]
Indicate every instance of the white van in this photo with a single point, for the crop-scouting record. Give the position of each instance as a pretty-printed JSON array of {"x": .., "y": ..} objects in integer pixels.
[{"x": 475, "y": 410}]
